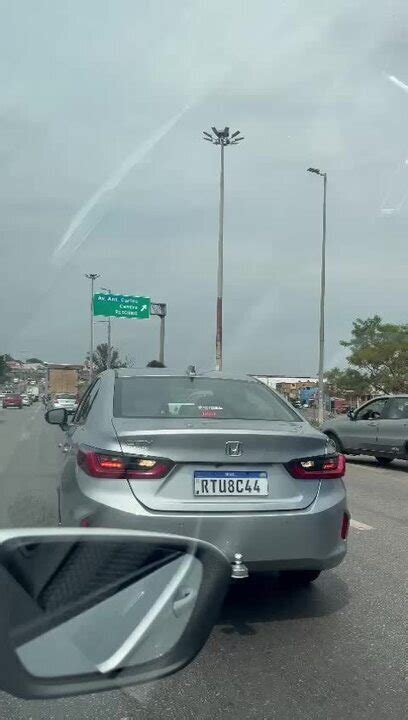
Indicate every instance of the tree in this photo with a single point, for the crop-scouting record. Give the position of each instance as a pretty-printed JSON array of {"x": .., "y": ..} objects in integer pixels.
[
  {"x": 379, "y": 353},
  {"x": 34, "y": 361},
  {"x": 3, "y": 367},
  {"x": 100, "y": 358},
  {"x": 155, "y": 364},
  {"x": 349, "y": 380}
]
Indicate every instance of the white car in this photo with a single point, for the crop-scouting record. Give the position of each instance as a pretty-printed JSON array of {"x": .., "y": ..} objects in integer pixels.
[
  {"x": 26, "y": 400},
  {"x": 66, "y": 401}
]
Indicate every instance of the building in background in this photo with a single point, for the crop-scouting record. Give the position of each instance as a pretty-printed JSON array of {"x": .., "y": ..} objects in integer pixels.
[
  {"x": 290, "y": 387},
  {"x": 303, "y": 392},
  {"x": 24, "y": 370}
]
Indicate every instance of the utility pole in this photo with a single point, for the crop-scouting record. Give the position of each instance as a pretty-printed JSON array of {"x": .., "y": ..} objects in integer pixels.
[
  {"x": 92, "y": 277},
  {"x": 322, "y": 298},
  {"x": 221, "y": 138},
  {"x": 109, "y": 321},
  {"x": 109, "y": 358},
  {"x": 160, "y": 309}
]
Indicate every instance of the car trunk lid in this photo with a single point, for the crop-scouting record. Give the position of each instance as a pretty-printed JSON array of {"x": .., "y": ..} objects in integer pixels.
[{"x": 195, "y": 446}]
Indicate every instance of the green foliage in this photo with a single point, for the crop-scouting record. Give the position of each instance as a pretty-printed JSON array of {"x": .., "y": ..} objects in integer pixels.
[
  {"x": 33, "y": 360},
  {"x": 3, "y": 367},
  {"x": 340, "y": 382},
  {"x": 100, "y": 358},
  {"x": 379, "y": 354}
]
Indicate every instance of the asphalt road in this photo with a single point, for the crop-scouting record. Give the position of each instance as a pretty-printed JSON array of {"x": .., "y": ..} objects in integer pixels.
[{"x": 338, "y": 649}]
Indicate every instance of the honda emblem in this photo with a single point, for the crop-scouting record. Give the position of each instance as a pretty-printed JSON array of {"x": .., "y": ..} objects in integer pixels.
[{"x": 233, "y": 449}]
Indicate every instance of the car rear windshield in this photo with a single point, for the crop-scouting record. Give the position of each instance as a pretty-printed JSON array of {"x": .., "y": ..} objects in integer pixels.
[
  {"x": 184, "y": 397},
  {"x": 65, "y": 396}
]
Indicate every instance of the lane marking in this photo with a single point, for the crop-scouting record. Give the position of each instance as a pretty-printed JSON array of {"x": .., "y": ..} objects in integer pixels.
[{"x": 360, "y": 525}]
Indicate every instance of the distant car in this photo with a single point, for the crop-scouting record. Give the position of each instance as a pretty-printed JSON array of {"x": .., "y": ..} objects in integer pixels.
[
  {"x": 25, "y": 400},
  {"x": 12, "y": 400},
  {"x": 66, "y": 401},
  {"x": 378, "y": 428},
  {"x": 220, "y": 458},
  {"x": 33, "y": 392}
]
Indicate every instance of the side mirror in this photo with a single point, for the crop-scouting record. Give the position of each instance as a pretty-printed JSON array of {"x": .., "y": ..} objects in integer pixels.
[
  {"x": 57, "y": 416},
  {"x": 94, "y": 610},
  {"x": 351, "y": 415}
]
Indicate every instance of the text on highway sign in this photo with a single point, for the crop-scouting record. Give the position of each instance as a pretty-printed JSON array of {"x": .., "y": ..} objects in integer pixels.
[{"x": 121, "y": 306}]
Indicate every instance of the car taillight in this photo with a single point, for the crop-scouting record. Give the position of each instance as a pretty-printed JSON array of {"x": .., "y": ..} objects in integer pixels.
[
  {"x": 121, "y": 467},
  {"x": 140, "y": 468},
  {"x": 101, "y": 465},
  {"x": 318, "y": 468}
]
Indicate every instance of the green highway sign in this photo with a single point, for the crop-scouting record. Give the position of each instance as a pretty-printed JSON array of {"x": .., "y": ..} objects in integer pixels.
[{"x": 121, "y": 306}]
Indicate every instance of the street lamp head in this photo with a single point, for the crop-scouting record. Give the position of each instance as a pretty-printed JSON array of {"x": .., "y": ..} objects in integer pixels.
[
  {"x": 92, "y": 276},
  {"x": 314, "y": 170},
  {"x": 222, "y": 137}
]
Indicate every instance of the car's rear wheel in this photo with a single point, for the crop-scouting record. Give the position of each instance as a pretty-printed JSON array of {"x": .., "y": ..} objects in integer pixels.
[
  {"x": 383, "y": 460},
  {"x": 298, "y": 577},
  {"x": 336, "y": 442}
]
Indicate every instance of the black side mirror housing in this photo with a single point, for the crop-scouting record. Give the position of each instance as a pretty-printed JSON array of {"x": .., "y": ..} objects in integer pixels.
[
  {"x": 127, "y": 608},
  {"x": 57, "y": 416},
  {"x": 351, "y": 415}
]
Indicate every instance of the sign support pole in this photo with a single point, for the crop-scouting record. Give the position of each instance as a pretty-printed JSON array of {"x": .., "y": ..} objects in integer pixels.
[
  {"x": 160, "y": 309},
  {"x": 162, "y": 336}
]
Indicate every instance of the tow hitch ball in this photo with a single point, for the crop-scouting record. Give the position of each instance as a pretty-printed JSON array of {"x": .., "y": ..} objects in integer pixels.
[{"x": 239, "y": 571}]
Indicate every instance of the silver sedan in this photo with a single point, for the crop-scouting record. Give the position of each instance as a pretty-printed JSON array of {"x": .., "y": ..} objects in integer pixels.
[
  {"x": 378, "y": 428},
  {"x": 224, "y": 459}
]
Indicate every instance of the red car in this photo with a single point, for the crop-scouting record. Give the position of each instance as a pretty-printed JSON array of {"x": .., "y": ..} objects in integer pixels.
[{"x": 13, "y": 400}]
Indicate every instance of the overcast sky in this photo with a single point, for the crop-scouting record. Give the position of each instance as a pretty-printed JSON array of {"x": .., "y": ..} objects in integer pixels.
[{"x": 103, "y": 169}]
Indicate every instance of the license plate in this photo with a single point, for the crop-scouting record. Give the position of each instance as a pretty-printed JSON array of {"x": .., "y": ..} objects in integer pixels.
[{"x": 239, "y": 484}]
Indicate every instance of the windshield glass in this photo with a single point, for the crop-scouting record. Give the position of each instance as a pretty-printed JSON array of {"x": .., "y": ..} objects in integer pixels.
[
  {"x": 173, "y": 397},
  {"x": 219, "y": 185}
]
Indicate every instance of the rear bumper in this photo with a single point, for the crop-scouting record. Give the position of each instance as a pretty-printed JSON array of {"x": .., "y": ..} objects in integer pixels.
[{"x": 309, "y": 538}]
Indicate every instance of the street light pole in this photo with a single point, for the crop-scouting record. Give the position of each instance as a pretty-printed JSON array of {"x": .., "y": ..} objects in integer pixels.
[
  {"x": 92, "y": 277},
  {"x": 322, "y": 299},
  {"x": 109, "y": 353},
  {"x": 108, "y": 359},
  {"x": 221, "y": 138},
  {"x": 220, "y": 271}
]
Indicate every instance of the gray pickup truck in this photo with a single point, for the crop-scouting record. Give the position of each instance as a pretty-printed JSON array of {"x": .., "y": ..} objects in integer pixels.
[{"x": 378, "y": 428}]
